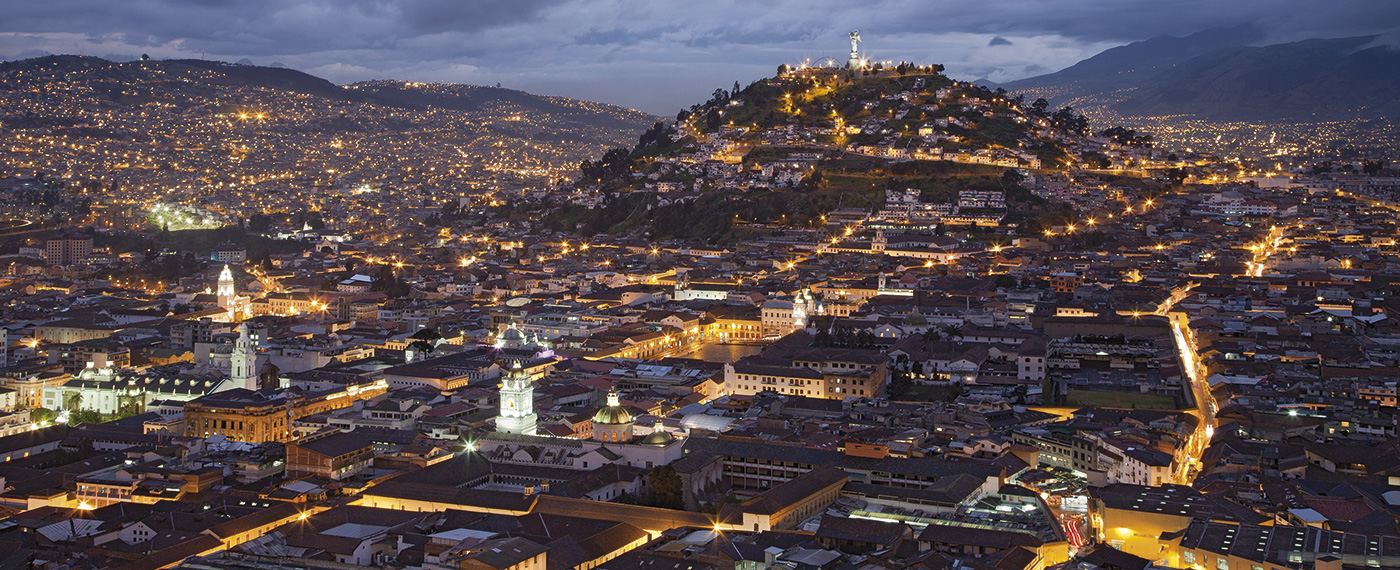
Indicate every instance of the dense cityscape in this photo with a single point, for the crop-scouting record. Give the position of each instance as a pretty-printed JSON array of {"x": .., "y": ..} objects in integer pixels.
[{"x": 854, "y": 315}]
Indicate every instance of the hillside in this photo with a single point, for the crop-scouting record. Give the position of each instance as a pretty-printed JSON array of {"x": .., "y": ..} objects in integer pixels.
[
  {"x": 1215, "y": 75},
  {"x": 188, "y": 123},
  {"x": 776, "y": 156}
]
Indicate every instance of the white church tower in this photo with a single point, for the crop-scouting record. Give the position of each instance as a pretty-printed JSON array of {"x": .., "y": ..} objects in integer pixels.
[
  {"x": 517, "y": 412},
  {"x": 803, "y": 307},
  {"x": 243, "y": 370},
  {"x": 225, "y": 291}
]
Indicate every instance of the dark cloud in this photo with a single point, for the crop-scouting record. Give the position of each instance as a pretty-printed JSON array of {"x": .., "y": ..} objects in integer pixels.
[
  {"x": 656, "y": 55},
  {"x": 435, "y": 16}
]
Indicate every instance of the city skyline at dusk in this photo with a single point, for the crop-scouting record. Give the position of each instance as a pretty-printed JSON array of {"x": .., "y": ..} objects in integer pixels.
[{"x": 621, "y": 285}]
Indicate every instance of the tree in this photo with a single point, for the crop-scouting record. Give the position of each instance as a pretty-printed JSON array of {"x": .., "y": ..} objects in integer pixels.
[
  {"x": 931, "y": 336},
  {"x": 952, "y": 331},
  {"x": 1067, "y": 120},
  {"x": 783, "y": 69},
  {"x": 1096, "y": 160},
  {"x": 1005, "y": 281},
  {"x": 85, "y": 417},
  {"x": 665, "y": 487},
  {"x": 1176, "y": 176},
  {"x": 1038, "y": 107},
  {"x": 424, "y": 340},
  {"x": 1127, "y": 137},
  {"x": 42, "y": 415},
  {"x": 1011, "y": 177},
  {"x": 712, "y": 121},
  {"x": 259, "y": 223}
]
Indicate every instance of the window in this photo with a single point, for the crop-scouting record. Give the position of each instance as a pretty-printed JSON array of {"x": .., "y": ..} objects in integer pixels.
[
  {"x": 1222, "y": 564},
  {"x": 1188, "y": 556}
]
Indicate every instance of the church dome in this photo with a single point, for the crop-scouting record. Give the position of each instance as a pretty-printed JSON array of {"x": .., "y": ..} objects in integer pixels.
[
  {"x": 512, "y": 334},
  {"x": 659, "y": 436},
  {"x": 613, "y": 413}
]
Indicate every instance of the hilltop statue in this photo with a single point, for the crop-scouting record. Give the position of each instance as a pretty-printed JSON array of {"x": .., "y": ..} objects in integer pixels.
[{"x": 854, "y": 62}]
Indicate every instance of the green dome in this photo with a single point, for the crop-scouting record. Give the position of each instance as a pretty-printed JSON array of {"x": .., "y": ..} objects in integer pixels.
[
  {"x": 659, "y": 438},
  {"x": 613, "y": 413}
]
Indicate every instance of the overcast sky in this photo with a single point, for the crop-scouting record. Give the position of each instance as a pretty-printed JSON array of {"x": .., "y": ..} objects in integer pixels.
[{"x": 653, "y": 55}]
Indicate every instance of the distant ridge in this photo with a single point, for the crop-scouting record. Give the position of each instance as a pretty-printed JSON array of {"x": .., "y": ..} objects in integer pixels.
[
  {"x": 1136, "y": 63},
  {"x": 1311, "y": 80},
  {"x": 1215, "y": 75},
  {"x": 388, "y": 93}
]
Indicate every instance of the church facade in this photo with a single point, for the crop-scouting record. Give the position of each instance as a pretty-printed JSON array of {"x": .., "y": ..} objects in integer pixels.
[
  {"x": 614, "y": 440},
  {"x": 238, "y": 306}
]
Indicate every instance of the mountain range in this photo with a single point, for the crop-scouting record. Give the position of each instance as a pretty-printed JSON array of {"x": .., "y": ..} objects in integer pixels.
[{"x": 1217, "y": 75}]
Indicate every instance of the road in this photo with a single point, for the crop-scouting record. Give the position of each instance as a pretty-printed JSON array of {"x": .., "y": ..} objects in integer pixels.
[
  {"x": 1263, "y": 251},
  {"x": 22, "y": 227},
  {"x": 1185, "y": 339},
  {"x": 1373, "y": 202}
]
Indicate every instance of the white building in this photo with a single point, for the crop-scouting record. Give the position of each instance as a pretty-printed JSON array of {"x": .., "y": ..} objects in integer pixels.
[
  {"x": 238, "y": 307},
  {"x": 242, "y": 364},
  {"x": 106, "y": 391},
  {"x": 517, "y": 411},
  {"x": 614, "y": 442}
]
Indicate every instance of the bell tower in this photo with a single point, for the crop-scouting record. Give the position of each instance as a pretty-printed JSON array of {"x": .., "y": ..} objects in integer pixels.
[
  {"x": 225, "y": 291},
  {"x": 517, "y": 411},
  {"x": 243, "y": 371}
]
